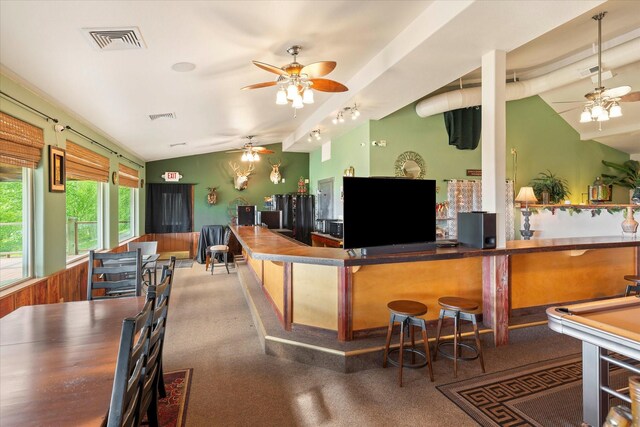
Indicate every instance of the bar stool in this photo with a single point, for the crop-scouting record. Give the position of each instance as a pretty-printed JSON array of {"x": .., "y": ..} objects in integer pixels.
[
  {"x": 405, "y": 312},
  {"x": 632, "y": 288},
  {"x": 458, "y": 309}
]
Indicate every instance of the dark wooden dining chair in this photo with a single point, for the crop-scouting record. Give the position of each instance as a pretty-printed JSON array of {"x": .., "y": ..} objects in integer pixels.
[
  {"x": 130, "y": 368},
  {"x": 118, "y": 274},
  {"x": 147, "y": 248},
  {"x": 152, "y": 381},
  {"x": 221, "y": 249}
]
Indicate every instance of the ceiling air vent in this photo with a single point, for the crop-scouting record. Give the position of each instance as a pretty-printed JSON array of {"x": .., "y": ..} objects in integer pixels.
[
  {"x": 115, "y": 38},
  {"x": 162, "y": 116}
]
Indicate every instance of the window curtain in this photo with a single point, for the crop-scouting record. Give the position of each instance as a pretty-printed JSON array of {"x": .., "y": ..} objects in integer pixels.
[
  {"x": 169, "y": 208},
  {"x": 127, "y": 177},
  {"x": 20, "y": 143},
  {"x": 86, "y": 165}
]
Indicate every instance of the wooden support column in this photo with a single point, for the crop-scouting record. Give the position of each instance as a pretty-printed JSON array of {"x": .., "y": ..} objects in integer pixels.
[
  {"x": 345, "y": 306},
  {"x": 495, "y": 296},
  {"x": 287, "y": 283}
]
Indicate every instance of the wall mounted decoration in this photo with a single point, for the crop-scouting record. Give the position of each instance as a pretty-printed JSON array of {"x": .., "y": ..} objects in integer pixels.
[
  {"x": 241, "y": 180},
  {"x": 411, "y": 165},
  {"x": 56, "y": 169},
  {"x": 212, "y": 196},
  {"x": 275, "y": 176},
  {"x": 114, "y": 177}
]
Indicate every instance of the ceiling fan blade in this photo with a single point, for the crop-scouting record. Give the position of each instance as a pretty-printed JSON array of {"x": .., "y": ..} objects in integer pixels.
[
  {"x": 235, "y": 151},
  {"x": 264, "y": 151},
  {"x": 319, "y": 69},
  {"x": 259, "y": 85},
  {"x": 616, "y": 92},
  {"x": 570, "y": 109},
  {"x": 326, "y": 85},
  {"x": 270, "y": 68},
  {"x": 631, "y": 97}
]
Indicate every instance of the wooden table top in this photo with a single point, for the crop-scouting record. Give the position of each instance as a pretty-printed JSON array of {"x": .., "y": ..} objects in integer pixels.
[
  {"x": 58, "y": 360},
  {"x": 262, "y": 244}
]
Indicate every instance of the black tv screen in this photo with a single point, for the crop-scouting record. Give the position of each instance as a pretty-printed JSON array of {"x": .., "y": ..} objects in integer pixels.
[{"x": 388, "y": 211}]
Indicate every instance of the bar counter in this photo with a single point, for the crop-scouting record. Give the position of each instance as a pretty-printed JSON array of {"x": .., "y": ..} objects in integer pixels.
[{"x": 327, "y": 289}]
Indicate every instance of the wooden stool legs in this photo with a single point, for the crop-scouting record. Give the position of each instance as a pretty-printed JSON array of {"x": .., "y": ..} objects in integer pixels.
[
  {"x": 411, "y": 323},
  {"x": 457, "y": 337}
]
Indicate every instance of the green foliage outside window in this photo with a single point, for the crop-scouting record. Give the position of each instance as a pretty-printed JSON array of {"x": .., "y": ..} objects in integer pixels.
[
  {"x": 82, "y": 216},
  {"x": 124, "y": 213},
  {"x": 11, "y": 217}
]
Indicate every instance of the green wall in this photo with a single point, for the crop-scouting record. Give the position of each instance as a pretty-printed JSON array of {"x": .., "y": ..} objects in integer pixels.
[
  {"x": 541, "y": 138},
  {"x": 213, "y": 170},
  {"x": 350, "y": 149},
  {"x": 50, "y": 208}
]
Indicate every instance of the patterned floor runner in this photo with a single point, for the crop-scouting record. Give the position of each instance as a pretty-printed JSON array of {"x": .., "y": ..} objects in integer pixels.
[
  {"x": 172, "y": 410},
  {"x": 543, "y": 394}
]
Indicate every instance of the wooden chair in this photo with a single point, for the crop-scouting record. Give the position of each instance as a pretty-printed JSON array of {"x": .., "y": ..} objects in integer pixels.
[
  {"x": 127, "y": 381},
  {"x": 119, "y": 274},
  {"x": 147, "y": 248},
  {"x": 632, "y": 289},
  {"x": 152, "y": 381},
  {"x": 221, "y": 249}
]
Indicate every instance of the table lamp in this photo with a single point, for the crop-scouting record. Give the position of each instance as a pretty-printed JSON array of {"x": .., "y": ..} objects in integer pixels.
[{"x": 527, "y": 196}]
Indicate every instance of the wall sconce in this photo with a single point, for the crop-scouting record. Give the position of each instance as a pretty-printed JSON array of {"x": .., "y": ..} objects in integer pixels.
[
  {"x": 351, "y": 111},
  {"x": 314, "y": 134}
]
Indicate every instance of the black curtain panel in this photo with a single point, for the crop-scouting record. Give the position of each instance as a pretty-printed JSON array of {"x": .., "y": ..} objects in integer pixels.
[
  {"x": 169, "y": 208},
  {"x": 464, "y": 126}
]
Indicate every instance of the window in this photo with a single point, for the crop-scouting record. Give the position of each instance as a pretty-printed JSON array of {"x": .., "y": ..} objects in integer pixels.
[
  {"x": 86, "y": 172},
  {"x": 126, "y": 210},
  {"x": 15, "y": 224},
  {"x": 127, "y": 193},
  {"x": 21, "y": 147},
  {"x": 84, "y": 225}
]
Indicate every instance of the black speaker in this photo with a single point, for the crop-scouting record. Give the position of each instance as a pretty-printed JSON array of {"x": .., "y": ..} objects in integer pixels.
[
  {"x": 246, "y": 215},
  {"x": 477, "y": 229}
]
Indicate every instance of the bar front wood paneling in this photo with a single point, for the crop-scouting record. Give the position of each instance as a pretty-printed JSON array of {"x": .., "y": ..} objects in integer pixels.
[
  {"x": 315, "y": 296},
  {"x": 287, "y": 299},
  {"x": 497, "y": 278}
]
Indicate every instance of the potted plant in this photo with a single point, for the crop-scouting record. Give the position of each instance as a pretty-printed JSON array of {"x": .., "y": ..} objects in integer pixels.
[
  {"x": 630, "y": 177},
  {"x": 550, "y": 188}
]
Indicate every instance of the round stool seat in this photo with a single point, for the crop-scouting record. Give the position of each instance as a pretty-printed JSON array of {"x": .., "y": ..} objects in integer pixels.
[
  {"x": 457, "y": 304},
  {"x": 632, "y": 279},
  {"x": 407, "y": 308}
]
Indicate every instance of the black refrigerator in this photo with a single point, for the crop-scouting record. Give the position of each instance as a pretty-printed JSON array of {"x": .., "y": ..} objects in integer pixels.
[{"x": 298, "y": 214}]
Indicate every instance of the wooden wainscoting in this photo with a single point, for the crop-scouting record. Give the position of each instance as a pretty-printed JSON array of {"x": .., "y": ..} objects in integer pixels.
[{"x": 177, "y": 242}]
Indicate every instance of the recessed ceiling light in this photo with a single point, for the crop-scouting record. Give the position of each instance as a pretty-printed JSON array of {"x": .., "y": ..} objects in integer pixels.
[{"x": 183, "y": 67}]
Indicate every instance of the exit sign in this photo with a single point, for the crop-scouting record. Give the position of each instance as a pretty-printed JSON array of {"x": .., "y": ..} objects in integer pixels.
[{"x": 172, "y": 176}]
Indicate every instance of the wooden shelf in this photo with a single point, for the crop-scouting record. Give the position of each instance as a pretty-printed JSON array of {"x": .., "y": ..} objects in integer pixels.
[{"x": 594, "y": 206}]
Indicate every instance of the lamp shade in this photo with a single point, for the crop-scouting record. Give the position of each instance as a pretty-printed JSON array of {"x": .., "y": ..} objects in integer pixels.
[{"x": 526, "y": 195}]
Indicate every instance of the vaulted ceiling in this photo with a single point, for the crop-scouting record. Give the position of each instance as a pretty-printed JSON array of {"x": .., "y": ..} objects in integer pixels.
[{"x": 389, "y": 54}]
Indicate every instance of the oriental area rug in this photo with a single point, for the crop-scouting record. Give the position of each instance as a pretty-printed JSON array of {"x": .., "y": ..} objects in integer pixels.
[
  {"x": 543, "y": 394},
  {"x": 172, "y": 410}
]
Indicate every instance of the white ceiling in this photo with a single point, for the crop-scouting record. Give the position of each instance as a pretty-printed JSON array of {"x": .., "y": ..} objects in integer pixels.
[{"x": 389, "y": 54}]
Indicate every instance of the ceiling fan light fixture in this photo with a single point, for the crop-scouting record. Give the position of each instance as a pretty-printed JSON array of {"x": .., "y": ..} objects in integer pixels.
[
  {"x": 615, "y": 110},
  {"x": 297, "y": 102},
  {"x": 256, "y": 158},
  {"x": 585, "y": 117},
  {"x": 307, "y": 96},
  {"x": 596, "y": 111},
  {"x": 244, "y": 157},
  {"x": 335, "y": 120},
  {"x": 281, "y": 97},
  {"x": 604, "y": 116},
  {"x": 292, "y": 91}
]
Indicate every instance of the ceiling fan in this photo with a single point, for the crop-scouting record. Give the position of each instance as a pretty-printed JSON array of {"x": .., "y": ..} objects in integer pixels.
[
  {"x": 602, "y": 103},
  {"x": 251, "y": 153},
  {"x": 297, "y": 80}
]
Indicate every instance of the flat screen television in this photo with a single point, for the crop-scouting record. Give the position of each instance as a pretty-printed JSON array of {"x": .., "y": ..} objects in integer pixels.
[
  {"x": 272, "y": 219},
  {"x": 387, "y": 215}
]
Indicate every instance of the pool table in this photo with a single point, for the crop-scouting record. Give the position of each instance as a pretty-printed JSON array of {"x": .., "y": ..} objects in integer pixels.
[{"x": 611, "y": 325}]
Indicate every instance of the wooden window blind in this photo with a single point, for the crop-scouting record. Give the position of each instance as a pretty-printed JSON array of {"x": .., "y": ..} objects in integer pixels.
[
  {"x": 86, "y": 165},
  {"x": 20, "y": 143},
  {"x": 128, "y": 177}
]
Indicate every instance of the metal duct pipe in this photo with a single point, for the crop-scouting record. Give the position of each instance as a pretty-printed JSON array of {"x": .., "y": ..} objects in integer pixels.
[{"x": 621, "y": 55}]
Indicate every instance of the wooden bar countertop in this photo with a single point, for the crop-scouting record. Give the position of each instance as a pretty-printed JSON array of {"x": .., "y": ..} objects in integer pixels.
[{"x": 263, "y": 244}]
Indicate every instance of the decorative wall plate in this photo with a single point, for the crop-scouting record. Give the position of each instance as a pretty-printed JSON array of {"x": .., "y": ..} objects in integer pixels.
[{"x": 411, "y": 165}]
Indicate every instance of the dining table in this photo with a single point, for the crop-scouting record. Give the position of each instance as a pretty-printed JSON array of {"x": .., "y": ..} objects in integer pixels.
[{"x": 57, "y": 361}]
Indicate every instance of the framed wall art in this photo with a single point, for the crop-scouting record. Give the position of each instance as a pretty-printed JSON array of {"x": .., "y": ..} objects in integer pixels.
[{"x": 56, "y": 169}]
